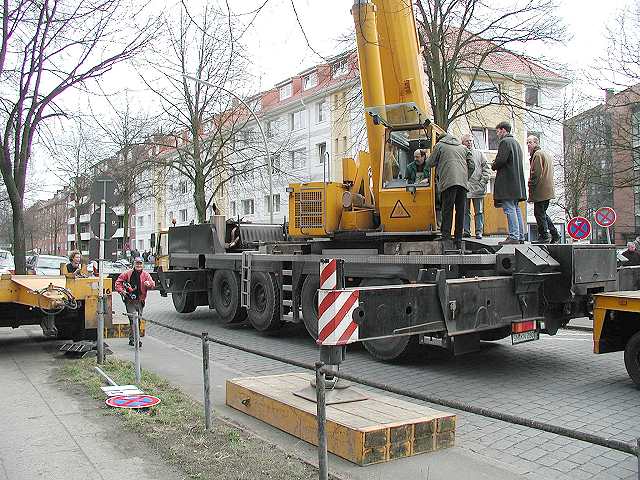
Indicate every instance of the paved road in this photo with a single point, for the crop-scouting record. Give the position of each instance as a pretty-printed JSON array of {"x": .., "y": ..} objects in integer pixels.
[{"x": 556, "y": 380}]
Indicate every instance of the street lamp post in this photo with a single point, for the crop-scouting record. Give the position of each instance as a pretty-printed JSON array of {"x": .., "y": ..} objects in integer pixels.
[{"x": 264, "y": 137}]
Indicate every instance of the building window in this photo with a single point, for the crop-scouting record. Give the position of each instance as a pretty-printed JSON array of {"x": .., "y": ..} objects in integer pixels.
[
  {"x": 298, "y": 158},
  {"x": 149, "y": 220},
  {"x": 140, "y": 245},
  {"x": 484, "y": 93},
  {"x": 232, "y": 207},
  {"x": 141, "y": 221},
  {"x": 171, "y": 217},
  {"x": 321, "y": 148},
  {"x": 272, "y": 128},
  {"x": 285, "y": 91},
  {"x": 339, "y": 68},
  {"x": 275, "y": 163},
  {"x": 183, "y": 186},
  {"x": 296, "y": 120},
  {"x": 310, "y": 81},
  {"x": 247, "y": 206},
  {"x": 276, "y": 203},
  {"x": 321, "y": 114},
  {"x": 532, "y": 96},
  {"x": 344, "y": 144},
  {"x": 183, "y": 215},
  {"x": 485, "y": 138}
]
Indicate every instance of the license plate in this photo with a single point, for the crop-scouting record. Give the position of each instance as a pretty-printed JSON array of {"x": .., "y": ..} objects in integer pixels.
[{"x": 523, "y": 337}]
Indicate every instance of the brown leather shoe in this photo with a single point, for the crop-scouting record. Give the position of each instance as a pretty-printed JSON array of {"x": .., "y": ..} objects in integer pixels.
[{"x": 509, "y": 241}]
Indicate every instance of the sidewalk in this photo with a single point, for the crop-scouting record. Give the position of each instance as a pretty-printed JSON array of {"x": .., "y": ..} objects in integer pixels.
[
  {"x": 184, "y": 369},
  {"x": 52, "y": 434}
]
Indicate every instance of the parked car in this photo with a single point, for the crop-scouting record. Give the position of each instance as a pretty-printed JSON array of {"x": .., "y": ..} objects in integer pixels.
[
  {"x": 7, "y": 265},
  {"x": 45, "y": 265}
]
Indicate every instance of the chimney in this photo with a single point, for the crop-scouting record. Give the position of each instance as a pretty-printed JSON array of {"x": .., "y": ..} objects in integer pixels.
[{"x": 608, "y": 93}]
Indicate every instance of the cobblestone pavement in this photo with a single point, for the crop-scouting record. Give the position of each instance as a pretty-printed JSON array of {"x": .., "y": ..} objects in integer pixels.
[{"x": 556, "y": 380}]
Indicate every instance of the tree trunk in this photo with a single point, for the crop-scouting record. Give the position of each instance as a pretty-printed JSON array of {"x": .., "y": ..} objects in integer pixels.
[
  {"x": 125, "y": 227},
  {"x": 199, "y": 198},
  {"x": 19, "y": 247}
]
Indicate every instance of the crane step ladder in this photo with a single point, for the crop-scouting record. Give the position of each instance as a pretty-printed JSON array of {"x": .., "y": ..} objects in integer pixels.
[
  {"x": 286, "y": 293},
  {"x": 245, "y": 280}
]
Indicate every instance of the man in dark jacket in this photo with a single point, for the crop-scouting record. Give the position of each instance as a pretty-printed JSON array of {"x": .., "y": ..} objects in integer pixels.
[
  {"x": 454, "y": 166},
  {"x": 416, "y": 172},
  {"x": 541, "y": 190},
  {"x": 509, "y": 188}
]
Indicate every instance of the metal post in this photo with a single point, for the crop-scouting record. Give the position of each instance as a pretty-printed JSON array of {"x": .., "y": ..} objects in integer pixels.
[
  {"x": 638, "y": 455},
  {"x": 206, "y": 380},
  {"x": 323, "y": 461},
  {"x": 608, "y": 235},
  {"x": 136, "y": 340},
  {"x": 103, "y": 206}
]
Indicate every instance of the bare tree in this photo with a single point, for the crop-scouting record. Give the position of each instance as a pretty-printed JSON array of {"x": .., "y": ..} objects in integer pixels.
[
  {"x": 213, "y": 139},
  {"x": 49, "y": 47},
  {"x": 461, "y": 36},
  {"x": 76, "y": 150},
  {"x": 125, "y": 133}
]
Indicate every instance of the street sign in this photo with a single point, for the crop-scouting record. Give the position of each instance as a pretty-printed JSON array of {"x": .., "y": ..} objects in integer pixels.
[
  {"x": 132, "y": 401},
  {"x": 110, "y": 223},
  {"x": 579, "y": 228},
  {"x": 121, "y": 390},
  {"x": 605, "y": 217},
  {"x": 109, "y": 249},
  {"x": 103, "y": 187}
]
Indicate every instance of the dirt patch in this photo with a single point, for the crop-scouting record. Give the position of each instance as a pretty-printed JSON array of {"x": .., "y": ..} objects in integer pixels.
[{"x": 175, "y": 429}]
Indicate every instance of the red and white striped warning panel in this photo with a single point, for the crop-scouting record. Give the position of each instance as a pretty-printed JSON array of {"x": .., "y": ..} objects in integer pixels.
[
  {"x": 328, "y": 275},
  {"x": 335, "y": 317}
]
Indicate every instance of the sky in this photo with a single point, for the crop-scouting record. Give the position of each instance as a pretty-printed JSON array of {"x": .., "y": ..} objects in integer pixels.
[{"x": 278, "y": 50}]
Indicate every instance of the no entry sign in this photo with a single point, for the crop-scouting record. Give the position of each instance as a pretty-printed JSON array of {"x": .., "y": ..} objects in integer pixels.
[
  {"x": 605, "y": 217},
  {"x": 132, "y": 401},
  {"x": 579, "y": 228}
]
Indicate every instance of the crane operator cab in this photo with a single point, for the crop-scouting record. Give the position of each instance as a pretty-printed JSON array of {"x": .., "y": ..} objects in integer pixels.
[{"x": 405, "y": 206}]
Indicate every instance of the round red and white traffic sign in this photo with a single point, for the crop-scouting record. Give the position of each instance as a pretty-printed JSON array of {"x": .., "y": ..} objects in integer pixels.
[
  {"x": 579, "y": 228},
  {"x": 605, "y": 217},
  {"x": 133, "y": 401}
]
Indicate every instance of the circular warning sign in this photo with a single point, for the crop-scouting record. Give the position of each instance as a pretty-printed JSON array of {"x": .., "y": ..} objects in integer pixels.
[
  {"x": 133, "y": 401},
  {"x": 579, "y": 228},
  {"x": 605, "y": 217}
]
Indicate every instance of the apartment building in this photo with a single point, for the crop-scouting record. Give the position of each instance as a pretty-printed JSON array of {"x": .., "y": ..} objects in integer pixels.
[{"x": 602, "y": 156}]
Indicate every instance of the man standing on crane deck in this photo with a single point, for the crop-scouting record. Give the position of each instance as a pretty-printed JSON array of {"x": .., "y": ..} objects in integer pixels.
[{"x": 454, "y": 166}]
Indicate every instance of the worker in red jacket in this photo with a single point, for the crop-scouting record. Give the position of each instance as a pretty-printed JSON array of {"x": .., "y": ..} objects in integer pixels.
[{"x": 133, "y": 285}]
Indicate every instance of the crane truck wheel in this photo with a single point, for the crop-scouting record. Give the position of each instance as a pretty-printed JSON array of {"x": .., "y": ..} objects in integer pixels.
[
  {"x": 632, "y": 358},
  {"x": 184, "y": 302},
  {"x": 389, "y": 349},
  {"x": 309, "y": 301},
  {"x": 226, "y": 297},
  {"x": 264, "y": 310}
]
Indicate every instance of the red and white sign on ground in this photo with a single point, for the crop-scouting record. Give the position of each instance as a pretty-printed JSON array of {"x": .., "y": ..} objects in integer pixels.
[{"x": 335, "y": 308}]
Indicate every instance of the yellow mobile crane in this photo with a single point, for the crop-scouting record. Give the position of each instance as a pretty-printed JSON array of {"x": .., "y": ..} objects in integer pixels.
[
  {"x": 412, "y": 288},
  {"x": 374, "y": 195}
]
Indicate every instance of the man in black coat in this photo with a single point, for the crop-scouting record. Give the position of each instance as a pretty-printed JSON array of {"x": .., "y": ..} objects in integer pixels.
[{"x": 510, "y": 188}]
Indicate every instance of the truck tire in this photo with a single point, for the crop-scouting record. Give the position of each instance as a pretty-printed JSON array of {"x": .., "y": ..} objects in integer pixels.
[
  {"x": 184, "y": 302},
  {"x": 264, "y": 312},
  {"x": 309, "y": 301},
  {"x": 632, "y": 358},
  {"x": 226, "y": 297},
  {"x": 390, "y": 349}
]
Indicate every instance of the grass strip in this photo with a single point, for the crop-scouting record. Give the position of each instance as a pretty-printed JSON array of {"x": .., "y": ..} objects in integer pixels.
[{"x": 175, "y": 429}]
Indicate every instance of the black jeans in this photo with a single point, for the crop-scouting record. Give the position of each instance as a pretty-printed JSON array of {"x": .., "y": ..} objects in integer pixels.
[
  {"x": 545, "y": 224},
  {"x": 455, "y": 196}
]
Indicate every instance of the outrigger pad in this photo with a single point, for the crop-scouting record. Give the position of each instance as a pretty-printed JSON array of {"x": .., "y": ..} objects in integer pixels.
[{"x": 83, "y": 348}]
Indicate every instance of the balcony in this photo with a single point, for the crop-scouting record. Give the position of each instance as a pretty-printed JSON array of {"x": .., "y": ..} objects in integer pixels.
[
  {"x": 85, "y": 236},
  {"x": 85, "y": 218},
  {"x": 119, "y": 210},
  {"x": 119, "y": 233},
  {"x": 71, "y": 237},
  {"x": 71, "y": 221}
]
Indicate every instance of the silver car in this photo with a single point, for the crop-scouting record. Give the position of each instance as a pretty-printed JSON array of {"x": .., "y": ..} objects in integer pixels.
[{"x": 45, "y": 264}]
